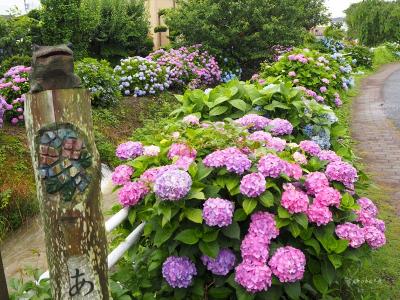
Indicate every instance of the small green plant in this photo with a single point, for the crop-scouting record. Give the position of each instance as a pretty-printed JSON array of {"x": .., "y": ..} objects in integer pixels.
[
  {"x": 99, "y": 78},
  {"x": 161, "y": 28}
]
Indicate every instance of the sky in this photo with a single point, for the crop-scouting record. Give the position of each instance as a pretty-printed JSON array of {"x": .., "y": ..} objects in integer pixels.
[{"x": 336, "y": 7}]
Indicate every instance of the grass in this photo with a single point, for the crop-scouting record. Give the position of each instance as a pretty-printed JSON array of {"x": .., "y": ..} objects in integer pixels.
[{"x": 378, "y": 277}]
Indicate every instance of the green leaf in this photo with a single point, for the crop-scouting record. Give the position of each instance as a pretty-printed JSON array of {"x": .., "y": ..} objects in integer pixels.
[
  {"x": 232, "y": 231},
  {"x": 217, "y": 101},
  {"x": 132, "y": 216},
  {"x": 188, "y": 236},
  {"x": 302, "y": 220},
  {"x": 231, "y": 182},
  {"x": 283, "y": 213},
  {"x": 249, "y": 205},
  {"x": 336, "y": 260},
  {"x": 294, "y": 229},
  {"x": 320, "y": 284},
  {"x": 219, "y": 110},
  {"x": 347, "y": 201},
  {"x": 267, "y": 199},
  {"x": 328, "y": 271},
  {"x": 210, "y": 249},
  {"x": 163, "y": 234},
  {"x": 313, "y": 243},
  {"x": 196, "y": 195},
  {"x": 220, "y": 292},
  {"x": 210, "y": 236},
  {"x": 239, "y": 104},
  {"x": 342, "y": 245},
  {"x": 293, "y": 290},
  {"x": 239, "y": 215},
  {"x": 195, "y": 215},
  {"x": 202, "y": 171},
  {"x": 282, "y": 222}
]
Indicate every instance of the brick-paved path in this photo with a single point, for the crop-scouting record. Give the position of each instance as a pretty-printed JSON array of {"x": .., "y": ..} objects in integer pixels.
[{"x": 377, "y": 137}]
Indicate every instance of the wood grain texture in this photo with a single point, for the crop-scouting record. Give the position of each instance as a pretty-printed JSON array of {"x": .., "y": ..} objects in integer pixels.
[{"x": 74, "y": 231}]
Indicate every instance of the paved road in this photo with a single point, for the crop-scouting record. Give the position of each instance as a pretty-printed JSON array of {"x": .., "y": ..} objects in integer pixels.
[
  {"x": 377, "y": 137},
  {"x": 391, "y": 95},
  {"x": 25, "y": 247}
]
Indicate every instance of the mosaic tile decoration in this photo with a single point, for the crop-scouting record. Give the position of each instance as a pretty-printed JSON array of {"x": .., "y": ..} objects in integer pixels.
[{"x": 63, "y": 160}]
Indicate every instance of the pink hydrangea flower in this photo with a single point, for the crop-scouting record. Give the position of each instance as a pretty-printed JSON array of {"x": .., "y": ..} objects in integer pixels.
[
  {"x": 316, "y": 182},
  {"x": 323, "y": 89},
  {"x": 215, "y": 159},
  {"x": 294, "y": 170},
  {"x": 295, "y": 201},
  {"x": 260, "y": 136},
  {"x": 351, "y": 232},
  {"x": 310, "y": 147},
  {"x": 292, "y": 74},
  {"x": 288, "y": 264},
  {"x": 122, "y": 174},
  {"x": 300, "y": 158},
  {"x": 218, "y": 212},
  {"x": 271, "y": 166},
  {"x": 132, "y": 192},
  {"x": 253, "y": 185},
  {"x": 151, "y": 150},
  {"x": 328, "y": 196},
  {"x": 276, "y": 144},
  {"x": 184, "y": 162},
  {"x": 253, "y": 276},
  {"x": 263, "y": 224},
  {"x": 329, "y": 155},
  {"x": 374, "y": 237},
  {"x": 368, "y": 206},
  {"x": 179, "y": 150},
  {"x": 191, "y": 120},
  {"x": 254, "y": 248},
  {"x": 319, "y": 214},
  {"x": 253, "y": 121},
  {"x": 324, "y": 80},
  {"x": 232, "y": 158}
]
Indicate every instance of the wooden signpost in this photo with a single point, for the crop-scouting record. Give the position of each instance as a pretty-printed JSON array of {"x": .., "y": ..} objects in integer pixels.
[{"x": 68, "y": 172}]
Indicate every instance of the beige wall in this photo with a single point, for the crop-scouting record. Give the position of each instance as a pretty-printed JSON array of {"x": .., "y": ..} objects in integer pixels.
[{"x": 160, "y": 38}]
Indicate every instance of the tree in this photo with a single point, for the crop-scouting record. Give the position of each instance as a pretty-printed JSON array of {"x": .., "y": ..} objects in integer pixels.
[
  {"x": 374, "y": 21},
  {"x": 69, "y": 21},
  {"x": 123, "y": 30},
  {"x": 243, "y": 29}
]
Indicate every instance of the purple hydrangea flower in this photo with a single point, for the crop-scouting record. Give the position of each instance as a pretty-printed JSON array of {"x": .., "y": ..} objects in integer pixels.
[
  {"x": 173, "y": 185},
  {"x": 129, "y": 150},
  {"x": 222, "y": 264},
  {"x": 218, "y": 212},
  {"x": 342, "y": 172},
  {"x": 374, "y": 237},
  {"x": 253, "y": 121},
  {"x": 255, "y": 248},
  {"x": 253, "y": 185},
  {"x": 263, "y": 224},
  {"x": 329, "y": 155},
  {"x": 288, "y": 264},
  {"x": 319, "y": 214},
  {"x": 179, "y": 271},
  {"x": 316, "y": 182},
  {"x": 280, "y": 127}
]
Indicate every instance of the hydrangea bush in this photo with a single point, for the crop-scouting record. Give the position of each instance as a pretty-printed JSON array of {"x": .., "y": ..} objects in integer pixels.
[
  {"x": 99, "y": 78},
  {"x": 320, "y": 76},
  {"x": 142, "y": 77},
  {"x": 307, "y": 117},
  {"x": 228, "y": 215},
  {"x": 13, "y": 86},
  {"x": 188, "y": 66}
]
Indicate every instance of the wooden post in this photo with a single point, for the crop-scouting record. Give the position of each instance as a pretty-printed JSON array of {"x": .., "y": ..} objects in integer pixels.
[
  {"x": 3, "y": 282},
  {"x": 68, "y": 173}
]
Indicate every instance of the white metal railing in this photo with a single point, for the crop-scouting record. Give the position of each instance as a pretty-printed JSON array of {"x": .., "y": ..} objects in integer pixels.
[{"x": 110, "y": 225}]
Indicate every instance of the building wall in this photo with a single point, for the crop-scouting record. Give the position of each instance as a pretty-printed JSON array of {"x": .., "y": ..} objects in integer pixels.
[{"x": 154, "y": 6}]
